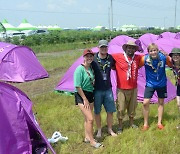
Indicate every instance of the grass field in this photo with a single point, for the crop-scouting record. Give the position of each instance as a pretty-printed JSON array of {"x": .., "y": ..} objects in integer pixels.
[{"x": 56, "y": 112}]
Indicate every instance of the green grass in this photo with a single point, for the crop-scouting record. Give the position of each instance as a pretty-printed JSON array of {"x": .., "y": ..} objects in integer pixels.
[
  {"x": 44, "y": 48},
  {"x": 59, "y": 61},
  {"x": 57, "y": 112}
]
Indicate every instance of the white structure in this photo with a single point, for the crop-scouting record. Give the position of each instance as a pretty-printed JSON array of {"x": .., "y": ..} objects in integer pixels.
[
  {"x": 26, "y": 26},
  {"x": 8, "y": 26},
  {"x": 125, "y": 28}
]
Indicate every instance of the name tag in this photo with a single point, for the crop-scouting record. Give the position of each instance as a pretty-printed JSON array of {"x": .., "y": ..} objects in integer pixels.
[{"x": 104, "y": 76}]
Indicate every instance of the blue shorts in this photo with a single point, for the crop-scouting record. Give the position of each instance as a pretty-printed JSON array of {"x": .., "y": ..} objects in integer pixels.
[
  {"x": 161, "y": 92},
  {"x": 106, "y": 98}
]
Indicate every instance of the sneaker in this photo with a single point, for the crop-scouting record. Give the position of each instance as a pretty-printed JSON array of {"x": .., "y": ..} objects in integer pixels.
[
  {"x": 97, "y": 145},
  {"x": 120, "y": 130},
  {"x": 99, "y": 134},
  {"x": 145, "y": 128},
  {"x": 134, "y": 126},
  {"x": 160, "y": 127},
  {"x": 178, "y": 127}
]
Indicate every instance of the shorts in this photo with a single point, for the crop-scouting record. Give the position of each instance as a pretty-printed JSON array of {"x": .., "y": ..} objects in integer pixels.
[
  {"x": 161, "y": 92},
  {"x": 89, "y": 96},
  {"x": 105, "y": 98},
  {"x": 127, "y": 100},
  {"x": 178, "y": 90}
]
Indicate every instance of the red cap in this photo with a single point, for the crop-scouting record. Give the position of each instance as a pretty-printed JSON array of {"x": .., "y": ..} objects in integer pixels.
[{"x": 87, "y": 51}]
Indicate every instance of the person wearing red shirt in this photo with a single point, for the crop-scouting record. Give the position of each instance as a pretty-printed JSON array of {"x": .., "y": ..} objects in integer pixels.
[{"x": 127, "y": 65}]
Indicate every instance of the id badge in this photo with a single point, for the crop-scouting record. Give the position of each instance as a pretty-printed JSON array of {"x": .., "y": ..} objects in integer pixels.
[{"x": 104, "y": 76}]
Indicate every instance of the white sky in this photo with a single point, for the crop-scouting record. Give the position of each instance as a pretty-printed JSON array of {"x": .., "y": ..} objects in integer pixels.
[{"x": 83, "y": 13}]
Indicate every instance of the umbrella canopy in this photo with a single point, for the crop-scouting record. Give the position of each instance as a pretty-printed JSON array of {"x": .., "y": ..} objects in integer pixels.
[{"x": 19, "y": 64}]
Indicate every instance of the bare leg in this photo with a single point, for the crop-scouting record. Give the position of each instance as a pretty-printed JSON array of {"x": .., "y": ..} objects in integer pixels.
[
  {"x": 120, "y": 123},
  {"x": 146, "y": 111},
  {"x": 178, "y": 104},
  {"x": 131, "y": 121},
  {"x": 98, "y": 123},
  {"x": 88, "y": 123},
  {"x": 109, "y": 123},
  {"x": 160, "y": 110}
]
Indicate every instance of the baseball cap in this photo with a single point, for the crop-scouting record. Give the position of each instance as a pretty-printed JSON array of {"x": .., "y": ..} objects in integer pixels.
[
  {"x": 103, "y": 43},
  {"x": 87, "y": 51}
]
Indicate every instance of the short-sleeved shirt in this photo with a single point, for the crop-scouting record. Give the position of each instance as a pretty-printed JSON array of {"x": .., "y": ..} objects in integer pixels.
[
  {"x": 155, "y": 70},
  {"x": 122, "y": 68},
  {"x": 97, "y": 65},
  {"x": 82, "y": 78}
]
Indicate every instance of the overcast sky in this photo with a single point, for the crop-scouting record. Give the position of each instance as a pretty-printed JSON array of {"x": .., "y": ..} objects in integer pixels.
[{"x": 90, "y": 13}]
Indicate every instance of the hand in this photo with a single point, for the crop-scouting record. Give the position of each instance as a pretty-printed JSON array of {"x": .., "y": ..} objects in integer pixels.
[
  {"x": 164, "y": 53},
  {"x": 86, "y": 104}
]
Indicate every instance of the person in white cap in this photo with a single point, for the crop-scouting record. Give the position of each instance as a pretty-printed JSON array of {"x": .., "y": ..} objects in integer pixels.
[
  {"x": 127, "y": 65},
  {"x": 103, "y": 95}
]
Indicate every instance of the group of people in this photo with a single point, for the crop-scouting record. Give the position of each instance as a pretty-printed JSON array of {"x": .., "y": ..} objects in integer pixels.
[{"x": 93, "y": 88}]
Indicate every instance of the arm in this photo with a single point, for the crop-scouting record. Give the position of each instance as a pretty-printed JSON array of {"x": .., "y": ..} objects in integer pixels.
[
  {"x": 164, "y": 53},
  {"x": 141, "y": 63},
  {"x": 169, "y": 61},
  {"x": 113, "y": 64},
  {"x": 78, "y": 79}
]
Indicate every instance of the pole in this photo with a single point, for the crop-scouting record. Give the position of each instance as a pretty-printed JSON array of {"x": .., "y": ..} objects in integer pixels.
[
  {"x": 111, "y": 16},
  {"x": 175, "y": 14}
]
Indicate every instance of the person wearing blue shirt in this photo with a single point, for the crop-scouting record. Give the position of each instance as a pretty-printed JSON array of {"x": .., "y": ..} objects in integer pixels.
[{"x": 156, "y": 80}]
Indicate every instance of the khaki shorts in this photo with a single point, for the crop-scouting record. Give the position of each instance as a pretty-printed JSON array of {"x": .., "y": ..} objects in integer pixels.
[{"x": 127, "y": 99}]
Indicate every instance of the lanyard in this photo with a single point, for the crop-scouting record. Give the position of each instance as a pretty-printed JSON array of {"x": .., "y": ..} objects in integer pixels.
[
  {"x": 176, "y": 72},
  {"x": 103, "y": 67},
  {"x": 150, "y": 63},
  {"x": 90, "y": 77},
  {"x": 129, "y": 65}
]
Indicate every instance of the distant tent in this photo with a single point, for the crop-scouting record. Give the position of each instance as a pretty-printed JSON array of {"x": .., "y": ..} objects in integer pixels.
[
  {"x": 55, "y": 27},
  {"x": 125, "y": 28},
  {"x": 66, "y": 83},
  {"x": 2, "y": 28},
  {"x": 99, "y": 28},
  {"x": 8, "y": 26},
  {"x": 178, "y": 27},
  {"x": 19, "y": 131},
  {"x": 19, "y": 64},
  {"x": 25, "y": 25}
]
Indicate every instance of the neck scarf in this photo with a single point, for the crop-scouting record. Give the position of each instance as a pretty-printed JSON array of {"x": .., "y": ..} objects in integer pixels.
[{"x": 129, "y": 65}]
